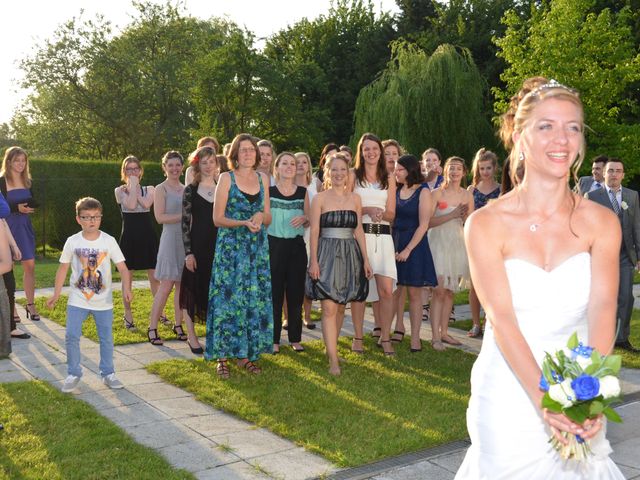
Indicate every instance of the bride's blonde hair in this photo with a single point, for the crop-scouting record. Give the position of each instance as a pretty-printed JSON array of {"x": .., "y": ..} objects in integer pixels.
[{"x": 326, "y": 184}]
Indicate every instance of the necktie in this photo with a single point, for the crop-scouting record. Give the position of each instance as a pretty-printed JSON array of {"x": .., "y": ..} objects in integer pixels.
[
  {"x": 597, "y": 185},
  {"x": 614, "y": 202}
]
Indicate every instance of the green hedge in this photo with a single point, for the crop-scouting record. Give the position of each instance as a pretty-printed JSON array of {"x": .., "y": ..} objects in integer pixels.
[{"x": 58, "y": 184}]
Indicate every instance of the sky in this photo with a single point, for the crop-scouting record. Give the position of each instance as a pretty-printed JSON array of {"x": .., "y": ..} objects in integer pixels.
[{"x": 27, "y": 23}]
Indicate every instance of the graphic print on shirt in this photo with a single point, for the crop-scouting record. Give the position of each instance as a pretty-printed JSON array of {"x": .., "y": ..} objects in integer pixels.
[{"x": 90, "y": 281}]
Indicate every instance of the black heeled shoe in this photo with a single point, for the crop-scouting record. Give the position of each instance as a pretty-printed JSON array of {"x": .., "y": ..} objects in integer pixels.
[
  {"x": 177, "y": 329},
  {"x": 195, "y": 351},
  {"x": 34, "y": 316}
]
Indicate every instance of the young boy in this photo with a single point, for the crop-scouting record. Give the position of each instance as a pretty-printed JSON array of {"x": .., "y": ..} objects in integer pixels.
[{"x": 90, "y": 252}]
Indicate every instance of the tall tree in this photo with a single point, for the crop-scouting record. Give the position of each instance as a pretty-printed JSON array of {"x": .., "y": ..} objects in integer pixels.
[
  {"x": 427, "y": 101},
  {"x": 330, "y": 59},
  {"x": 595, "y": 53}
]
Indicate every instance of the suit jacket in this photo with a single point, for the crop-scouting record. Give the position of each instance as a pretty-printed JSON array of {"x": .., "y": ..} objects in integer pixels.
[
  {"x": 629, "y": 218},
  {"x": 584, "y": 184}
]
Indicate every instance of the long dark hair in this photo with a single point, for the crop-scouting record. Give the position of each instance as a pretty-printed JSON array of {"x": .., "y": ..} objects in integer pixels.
[
  {"x": 414, "y": 173},
  {"x": 381, "y": 169}
]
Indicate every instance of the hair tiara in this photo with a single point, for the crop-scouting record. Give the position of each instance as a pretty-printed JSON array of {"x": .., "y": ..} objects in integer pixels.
[{"x": 551, "y": 84}]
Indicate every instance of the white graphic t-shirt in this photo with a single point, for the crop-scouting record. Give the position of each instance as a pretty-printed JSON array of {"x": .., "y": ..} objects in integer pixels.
[{"x": 91, "y": 270}]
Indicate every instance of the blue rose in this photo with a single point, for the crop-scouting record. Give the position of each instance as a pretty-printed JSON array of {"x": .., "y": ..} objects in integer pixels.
[
  {"x": 586, "y": 387},
  {"x": 543, "y": 385}
]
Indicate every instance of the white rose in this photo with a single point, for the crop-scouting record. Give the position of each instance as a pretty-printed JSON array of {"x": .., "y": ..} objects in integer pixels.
[
  {"x": 583, "y": 362},
  {"x": 624, "y": 205},
  {"x": 609, "y": 386},
  {"x": 562, "y": 393}
]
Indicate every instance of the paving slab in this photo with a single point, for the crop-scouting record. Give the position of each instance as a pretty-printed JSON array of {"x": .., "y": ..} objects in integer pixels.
[
  {"x": 104, "y": 399},
  {"x": 216, "y": 424},
  {"x": 183, "y": 407},
  {"x": 198, "y": 454},
  {"x": 133, "y": 415},
  {"x": 421, "y": 471},
  {"x": 17, "y": 375},
  {"x": 162, "y": 434},
  {"x": 158, "y": 391},
  {"x": 138, "y": 376},
  {"x": 232, "y": 471},
  {"x": 306, "y": 464},
  {"x": 253, "y": 443}
]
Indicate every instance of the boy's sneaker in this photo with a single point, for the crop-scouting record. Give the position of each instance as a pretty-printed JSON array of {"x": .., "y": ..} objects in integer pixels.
[
  {"x": 70, "y": 383},
  {"x": 112, "y": 382}
]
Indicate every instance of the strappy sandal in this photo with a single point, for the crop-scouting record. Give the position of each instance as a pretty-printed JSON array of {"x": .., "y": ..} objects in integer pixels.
[
  {"x": 355, "y": 350},
  {"x": 165, "y": 321},
  {"x": 452, "y": 316},
  {"x": 425, "y": 312},
  {"x": 222, "y": 369},
  {"x": 250, "y": 367},
  {"x": 34, "y": 316},
  {"x": 16, "y": 317},
  {"x": 375, "y": 330},
  {"x": 155, "y": 340},
  {"x": 177, "y": 329},
  {"x": 475, "y": 332},
  {"x": 388, "y": 354},
  {"x": 128, "y": 324},
  {"x": 397, "y": 340}
]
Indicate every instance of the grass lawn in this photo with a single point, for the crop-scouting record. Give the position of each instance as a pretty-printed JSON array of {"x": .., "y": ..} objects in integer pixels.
[
  {"x": 48, "y": 434},
  {"x": 379, "y": 407},
  {"x": 141, "y": 308},
  {"x": 46, "y": 272},
  {"x": 629, "y": 360}
]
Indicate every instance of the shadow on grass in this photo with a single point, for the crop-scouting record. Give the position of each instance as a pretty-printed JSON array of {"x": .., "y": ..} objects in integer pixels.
[
  {"x": 379, "y": 407},
  {"x": 51, "y": 435}
]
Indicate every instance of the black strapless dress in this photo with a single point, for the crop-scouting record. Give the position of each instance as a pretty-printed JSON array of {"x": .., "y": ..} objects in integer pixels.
[{"x": 342, "y": 277}]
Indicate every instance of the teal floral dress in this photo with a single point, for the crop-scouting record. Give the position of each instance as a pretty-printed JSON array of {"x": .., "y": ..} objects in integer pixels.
[{"x": 240, "y": 314}]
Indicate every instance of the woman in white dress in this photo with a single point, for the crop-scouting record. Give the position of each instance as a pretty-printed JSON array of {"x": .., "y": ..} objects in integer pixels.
[
  {"x": 532, "y": 255},
  {"x": 377, "y": 189}
]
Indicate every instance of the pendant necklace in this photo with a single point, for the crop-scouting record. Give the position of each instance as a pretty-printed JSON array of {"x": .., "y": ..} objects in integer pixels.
[{"x": 533, "y": 227}]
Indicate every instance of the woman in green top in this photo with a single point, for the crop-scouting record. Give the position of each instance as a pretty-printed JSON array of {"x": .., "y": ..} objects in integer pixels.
[{"x": 287, "y": 251}]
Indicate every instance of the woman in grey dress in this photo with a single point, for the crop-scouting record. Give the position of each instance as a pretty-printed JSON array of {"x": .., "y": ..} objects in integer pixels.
[{"x": 168, "y": 212}]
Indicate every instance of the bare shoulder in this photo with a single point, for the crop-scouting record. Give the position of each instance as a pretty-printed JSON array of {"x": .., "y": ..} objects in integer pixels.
[
  {"x": 471, "y": 188},
  {"x": 593, "y": 216},
  {"x": 488, "y": 223},
  {"x": 266, "y": 181}
]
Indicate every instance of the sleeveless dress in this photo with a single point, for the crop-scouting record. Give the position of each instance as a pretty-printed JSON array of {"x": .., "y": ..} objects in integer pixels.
[
  {"x": 480, "y": 199},
  {"x": 508, "y": 435},
  {"x": 449, "y": 252},
  {"x": 240, "y": 315},
  {"x": 138, "y": 239},
  {"x": 199, "y": 238},
  {"x": 418, "y": 269},
  {"x": 171, "y": 251},
  {"x": 380, "y": 248},
  {"x": 20, "y": 223},
  {"x": 342, "y": 277}
]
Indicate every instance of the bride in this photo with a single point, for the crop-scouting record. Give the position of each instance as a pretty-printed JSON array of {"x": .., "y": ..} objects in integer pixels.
[{"x": 532, "y": 254}]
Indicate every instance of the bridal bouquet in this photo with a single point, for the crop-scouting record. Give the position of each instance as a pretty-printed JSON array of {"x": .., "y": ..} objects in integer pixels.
[{"x": 582, "y": 384}]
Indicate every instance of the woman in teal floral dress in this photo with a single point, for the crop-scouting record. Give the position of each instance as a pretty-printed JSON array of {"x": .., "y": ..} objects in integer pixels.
[{"x": 240, "y": 315}]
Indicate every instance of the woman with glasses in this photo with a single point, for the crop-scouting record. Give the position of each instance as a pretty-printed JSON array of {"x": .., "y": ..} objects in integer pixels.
[{"x": 138, "y": 240}]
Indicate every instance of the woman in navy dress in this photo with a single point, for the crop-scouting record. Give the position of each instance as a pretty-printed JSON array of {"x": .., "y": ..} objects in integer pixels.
[
  {"x": 413, "y": 255},
  {"x": 484, "y": 188},
  {"x": 15, "y": 183}
]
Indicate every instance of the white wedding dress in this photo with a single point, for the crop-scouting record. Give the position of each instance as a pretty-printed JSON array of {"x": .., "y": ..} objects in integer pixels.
[{"x": 509, "y": 439}]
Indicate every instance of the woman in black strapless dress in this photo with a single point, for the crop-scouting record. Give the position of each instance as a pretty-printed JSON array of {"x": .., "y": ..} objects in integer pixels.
[{"x": 339, "y": 267}]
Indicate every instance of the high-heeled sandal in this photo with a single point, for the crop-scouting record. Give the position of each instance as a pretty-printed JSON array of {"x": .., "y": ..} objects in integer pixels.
[
  {"x": 155, "y": 340},
  {"x": 375, "y": 333},
  {"x": 177, "y": 329},
  {"x": 356, "y": 350},
  {"x": 250, "y": 367},
  {"x": 128, "y": 324},
  {"x": 388, "y": 354},
  {"x": 195, "y": 351},
  {"x": 34, "y": 316},
  {"x": 394, "y": 339},
  {"x": 222, "y": 369}
]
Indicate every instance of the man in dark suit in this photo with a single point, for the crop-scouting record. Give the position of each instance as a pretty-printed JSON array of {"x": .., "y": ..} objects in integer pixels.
[
  {"x": 625, "y": 204},
  {"x": 596, "y": 179}
]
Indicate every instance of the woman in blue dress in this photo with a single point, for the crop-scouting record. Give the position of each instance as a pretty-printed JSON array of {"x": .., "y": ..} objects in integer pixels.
[
  {"x": 484, "y": 188},
  {"x": 413, "y": 255},
  {"x": 15, "y": 184},
  {"x": 240, "y": 315}
]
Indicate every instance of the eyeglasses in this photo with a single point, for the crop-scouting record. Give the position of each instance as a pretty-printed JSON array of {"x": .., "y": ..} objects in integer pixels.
[
  {"x": 247, "y": 150},
  {"x": 132, "y": 169},
  {"x": 93, "y": 218}
]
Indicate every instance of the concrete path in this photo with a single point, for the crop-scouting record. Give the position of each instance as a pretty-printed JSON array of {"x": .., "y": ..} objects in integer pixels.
[{"x": 215, "y": 445}]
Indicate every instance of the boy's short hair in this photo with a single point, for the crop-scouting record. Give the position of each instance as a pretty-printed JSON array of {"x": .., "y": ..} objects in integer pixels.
[{"x": 88, "y": 203}]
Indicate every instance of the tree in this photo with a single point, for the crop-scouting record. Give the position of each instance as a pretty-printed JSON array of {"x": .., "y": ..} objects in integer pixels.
[
  {"x": 592, "y": 52},
  {"x": 328, "y": 60},
  {"x": 427, "y": 101}
]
